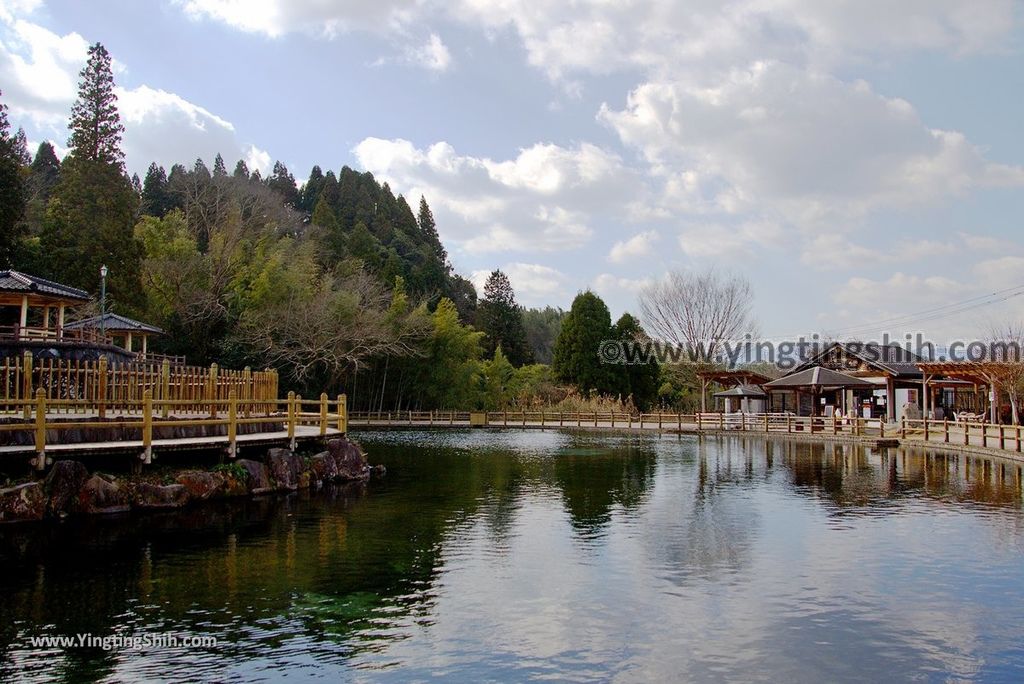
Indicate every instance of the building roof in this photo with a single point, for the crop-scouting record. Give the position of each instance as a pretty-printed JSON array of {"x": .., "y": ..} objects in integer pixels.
[
  {"x": 892, "y": 358},
  {"x": 113, "y": 322},
  {"x": 818, "y": 377},
  {"x": 736, "y": 376},
  {"x": 743, "y": 391},
  {"x": 16, "y": 281}
]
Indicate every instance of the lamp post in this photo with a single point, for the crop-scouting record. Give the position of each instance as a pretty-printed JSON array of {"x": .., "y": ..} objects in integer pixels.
[{"x": 103, "y": 302}]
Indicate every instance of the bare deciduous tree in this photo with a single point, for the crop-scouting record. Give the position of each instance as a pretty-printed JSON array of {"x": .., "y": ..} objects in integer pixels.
[
  {"x": 347, "y": 320},
  {"x": 1007, "y": 340},
  {"x": 698, "y": 310}
]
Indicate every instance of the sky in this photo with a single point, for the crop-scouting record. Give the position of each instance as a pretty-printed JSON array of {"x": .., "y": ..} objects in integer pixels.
[{"x": 860, "y": 161}]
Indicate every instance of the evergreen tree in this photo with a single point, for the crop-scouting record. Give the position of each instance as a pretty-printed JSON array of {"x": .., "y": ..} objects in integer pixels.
[
  {"x": 89, "y": 219},
  {"x": 429, "y": 230},
  {"x": 323, "y": 215},
  {"x": 21, "y": 148},
  {"x": 576, "y": 357},
  {"x": 45, "y": 171},
  {"x": 638, "y": 379},
  {"x": 241, "y": 170},
  {"x": 95, "y": 125},
  {"x": 202, "y": 174},
  {"x": 219, "y": 170},
  {"x": 156, "y": 196},
  {"x": 283, "y": 183},
  {"x": 501, "y": 320},
  {"x": 309, "y": 196},
  {"x": 12, "y": 192},
  {"x": 137, "y": 186}
]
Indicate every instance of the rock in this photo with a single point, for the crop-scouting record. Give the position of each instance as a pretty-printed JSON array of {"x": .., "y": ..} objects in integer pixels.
[
  {"x": 24, "y": 502},
  {"x": 149, "y": 495},
  {"x": 258, "y": 476},
  {"x": 200, "y": 484},
  {"x": 62, "y": 486},
  {"x": 349, "y": 459},
  {"x": 378, "y": 470},
  {"x": 102, "y": 494},
  {"x": 235, "y": 485},
  {"x": 285, "y": 467},
  {"x": 323, "y": 467}
]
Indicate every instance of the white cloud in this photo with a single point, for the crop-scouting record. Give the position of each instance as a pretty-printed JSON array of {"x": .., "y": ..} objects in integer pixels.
[
  {"x": 805, "y": 146},
  {"x": 544, "y": 199},
  {"x": 39, "y": 72},
  {"x": 641, "y": 244},
  {"x": 274, "y": 18},
  {"x": 724, "y": 240},
  {"x": 433, "y": 54}
]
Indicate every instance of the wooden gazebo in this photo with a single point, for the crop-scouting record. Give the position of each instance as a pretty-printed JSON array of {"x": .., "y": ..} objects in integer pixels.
[
  {"x": 990, "y": 374},
  {"x": 122, "y": 330},
  {"x": 727, "y": 378},
  {"x": 32, "y": 308}
]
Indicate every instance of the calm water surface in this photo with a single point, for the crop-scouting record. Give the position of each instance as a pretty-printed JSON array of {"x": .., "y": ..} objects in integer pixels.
[{"x": 499, "y": 556}]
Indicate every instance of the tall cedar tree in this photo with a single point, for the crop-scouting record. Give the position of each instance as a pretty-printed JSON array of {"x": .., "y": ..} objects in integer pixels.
[
  {"x": 95, "y": 125},
  {"x": 501, "y": 321},
  {"x": 638, "y": 379},
  {"x": 156, "y": 196},
  {"x": 576, "y": 357},
  {"x": 12, "y": 192},
  {"x": 429, "y": 229},
  {"x": 89, "y": 219}
]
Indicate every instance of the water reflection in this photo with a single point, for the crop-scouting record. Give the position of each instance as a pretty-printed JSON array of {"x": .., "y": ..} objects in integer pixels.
[{"x": 511, "y": 555}]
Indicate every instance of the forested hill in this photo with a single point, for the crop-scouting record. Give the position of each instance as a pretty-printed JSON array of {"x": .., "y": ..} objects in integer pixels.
[{"x": 349, "y": 216}]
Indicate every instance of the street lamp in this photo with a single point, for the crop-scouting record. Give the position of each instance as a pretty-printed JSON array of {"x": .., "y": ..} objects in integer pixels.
[{"x": 103, "y": 302}]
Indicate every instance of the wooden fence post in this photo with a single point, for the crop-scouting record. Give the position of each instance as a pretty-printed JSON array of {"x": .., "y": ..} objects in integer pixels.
[
  {"x": 926, "y": 428},
  {"x": 233, "y": 423},
  {"x": 291, "y": 419},
  {"x": 40, "y": 461},
  {"x": 247, "y": 391},
  {"x": 211, "y": 392},
  {"x": 102, "y": 388},
  {"x": 698, "y": 421},
  {"x": 323, "y": 414},
  {"x": 26, "y": 384},
  {"x": 343, "y": 414},
  {"x": 165, "y": 386},
  {"x": 147, "y": 426}
]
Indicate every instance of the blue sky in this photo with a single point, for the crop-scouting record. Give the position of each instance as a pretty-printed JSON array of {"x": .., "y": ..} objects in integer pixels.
[{"x": 855, "y": 160}]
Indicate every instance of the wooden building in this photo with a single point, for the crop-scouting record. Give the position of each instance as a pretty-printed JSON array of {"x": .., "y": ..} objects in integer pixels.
[
  {"x": 33, "y": 308},
  {"x": 121, "y": 330}
]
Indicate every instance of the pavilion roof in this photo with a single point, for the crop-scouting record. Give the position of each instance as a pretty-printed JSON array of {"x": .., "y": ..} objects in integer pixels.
[
  {"x": 23, "y": 283},
  {"x": 113, "y": 322},
  {"x": 890, "y": 358},
  {"x": 743, "y": 391},
  {"x": 818, "y": 377},
  {"x": 737, "y": 377}
]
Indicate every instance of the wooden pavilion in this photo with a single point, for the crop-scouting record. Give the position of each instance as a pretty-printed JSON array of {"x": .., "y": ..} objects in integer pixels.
[
  {"x": 33, "y": 308},
  {"x": 961, "y": 377},
  {"x": 121, "y": 330},
  {"x": 728, "y": 379}
]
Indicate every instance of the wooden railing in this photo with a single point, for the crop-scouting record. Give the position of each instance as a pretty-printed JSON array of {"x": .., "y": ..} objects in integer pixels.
[
  {"x": 104, "y": 385},
  {"x": 34, "y": 333},
  {"x": 1005, "y": 437},
  {"x": 47, "y": 419}
]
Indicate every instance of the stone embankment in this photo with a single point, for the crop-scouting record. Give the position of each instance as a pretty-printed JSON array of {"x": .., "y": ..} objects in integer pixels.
[{"x": 69, "y": 488}]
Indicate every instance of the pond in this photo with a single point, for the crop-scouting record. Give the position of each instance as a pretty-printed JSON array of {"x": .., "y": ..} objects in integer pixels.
[{"x": 513, "y": 555}]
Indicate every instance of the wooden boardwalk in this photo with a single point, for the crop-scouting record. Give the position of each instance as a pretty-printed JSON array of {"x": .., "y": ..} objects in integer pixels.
[
  {"x": 43, "y": 428},
  {"x": 1005, "y": 439}
]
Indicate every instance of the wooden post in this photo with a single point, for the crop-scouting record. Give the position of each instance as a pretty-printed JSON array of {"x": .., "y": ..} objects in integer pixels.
[
  {"x": 26, "y": 384},
  {"x": 343, "y": 414},
  {"x": 743, "y": 421},
  {"x": 789, "y": 423},
  {"x": 721, "y": 421},
  {"x": 945, "y": 430},
  {"x": 926, "y": 427},
  {"x": 1002, "y": 436},
  {"x": 40, "y": 461},
  {"x": 323, "y": 414},
  {"x": 232, "y": 424},
  {"x": 211, "y": 393},
  {"x": 247, "y": 391},
  {"x": 881, "y": 428},
  {"x": 165, "y": 386},
  {"x": 291, "y": 419},
  {"x": 903, "y": 427},
  {"x": 967, "y": 433},
  {"x": 659, "y": 421},
  {"x": 147, "y": 427},
  {"x": 835, "y": 425},
  {"x": 766, "y": 423},
  {"x": 698, "y": 422},
  {"x": 103, "y": 388}
]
